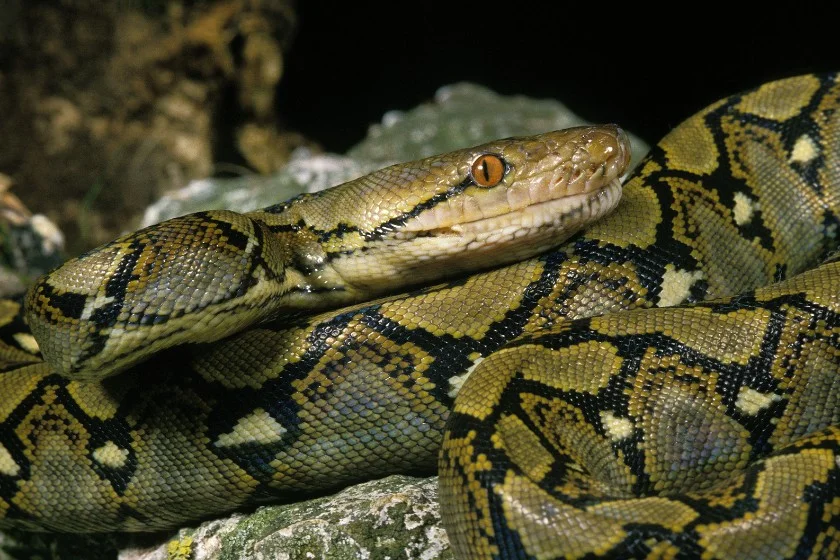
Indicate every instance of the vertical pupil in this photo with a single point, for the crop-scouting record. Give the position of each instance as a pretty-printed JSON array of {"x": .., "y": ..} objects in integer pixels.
[{"x": 485, "y": 169}]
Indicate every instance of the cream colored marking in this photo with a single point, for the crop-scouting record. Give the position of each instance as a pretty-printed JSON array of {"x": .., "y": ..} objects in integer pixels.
[
  {"x": 27, "y": 342},
  {"x": 7, "y": 464},
  {"x": 617, "y": 428},
  {"x": 752, "y": 402},
  {"x": 93, "y": 304},
  {"x": 676, "y": 285},
  {"x": 257, "y": 427},
  {"x": 804, "y": 150},
  {"x": 111, "y": 455},
  {"x": 744, "y": 209},
  {"x": 457, "y": 381}
]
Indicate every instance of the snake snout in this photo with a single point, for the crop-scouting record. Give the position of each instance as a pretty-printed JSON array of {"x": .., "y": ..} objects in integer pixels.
[{"x": 607, "y": 145}]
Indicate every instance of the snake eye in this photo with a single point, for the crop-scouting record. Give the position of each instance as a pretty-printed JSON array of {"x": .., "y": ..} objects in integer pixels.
[{"x": 487, "y": 170}]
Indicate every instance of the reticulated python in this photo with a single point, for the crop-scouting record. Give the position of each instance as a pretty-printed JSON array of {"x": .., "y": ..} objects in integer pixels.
[{"x": 707, "y": 430}]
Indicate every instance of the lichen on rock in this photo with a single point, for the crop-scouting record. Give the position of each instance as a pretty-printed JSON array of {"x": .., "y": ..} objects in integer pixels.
[{"x": 395, "y": 517}]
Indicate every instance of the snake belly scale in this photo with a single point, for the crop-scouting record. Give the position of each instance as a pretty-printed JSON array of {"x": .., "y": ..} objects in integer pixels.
[{"x": 664, "y": 385}]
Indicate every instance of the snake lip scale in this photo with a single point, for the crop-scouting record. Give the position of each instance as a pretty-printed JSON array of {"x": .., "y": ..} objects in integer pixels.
[
  {"x": 663, "y": 385},
  {"x": 545, "y": 212},
  {"x": 512, "y": 236}
]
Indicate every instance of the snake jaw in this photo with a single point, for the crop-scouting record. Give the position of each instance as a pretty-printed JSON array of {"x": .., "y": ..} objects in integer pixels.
[
  {"x": 552, "y": 213},
  {"x": 552, "y": 188}
]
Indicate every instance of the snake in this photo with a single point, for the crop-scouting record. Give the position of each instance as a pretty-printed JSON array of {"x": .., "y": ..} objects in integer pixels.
[{"x": 650, "y": 375}]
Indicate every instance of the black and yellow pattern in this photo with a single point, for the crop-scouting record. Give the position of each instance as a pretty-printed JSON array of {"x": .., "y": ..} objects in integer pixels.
[
  {"x": 691, "y": 430},
  {"x": 707, "y": 430},
  {"x": 699, "y": 431}
]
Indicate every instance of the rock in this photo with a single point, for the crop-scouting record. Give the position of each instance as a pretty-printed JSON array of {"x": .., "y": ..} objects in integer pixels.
[
  {"x": 29, "y": 244},
  {"x": 395, "y": 517},
  {"x": 306, "y": 172}
]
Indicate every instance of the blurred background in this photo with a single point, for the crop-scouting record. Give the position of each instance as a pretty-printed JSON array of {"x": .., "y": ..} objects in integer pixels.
[{"x": 107, "y": 105}]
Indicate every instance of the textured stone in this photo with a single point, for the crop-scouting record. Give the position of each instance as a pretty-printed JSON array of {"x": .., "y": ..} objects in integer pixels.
[
  {"x": 29, "y": 244},
  {"x": 395, "y": 517}
]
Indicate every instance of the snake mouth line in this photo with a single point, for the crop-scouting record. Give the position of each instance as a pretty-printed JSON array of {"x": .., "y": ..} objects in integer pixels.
[{"x": 555, "y": 212}]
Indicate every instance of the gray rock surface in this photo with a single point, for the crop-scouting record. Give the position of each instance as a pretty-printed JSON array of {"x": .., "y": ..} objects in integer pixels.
[
  {"x": 395, "y": 517},
  {"x": 29, "y": 244}
]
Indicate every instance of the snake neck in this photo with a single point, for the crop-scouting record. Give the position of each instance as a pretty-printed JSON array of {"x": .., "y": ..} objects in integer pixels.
[{"x": 202, "y": 277}]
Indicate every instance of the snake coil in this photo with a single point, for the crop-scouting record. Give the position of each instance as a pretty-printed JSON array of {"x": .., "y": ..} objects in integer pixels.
[{"x": 664, "y": 385}]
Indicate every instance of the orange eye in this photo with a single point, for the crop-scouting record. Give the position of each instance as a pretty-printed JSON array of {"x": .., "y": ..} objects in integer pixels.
[{"x": 488, "y": 170}]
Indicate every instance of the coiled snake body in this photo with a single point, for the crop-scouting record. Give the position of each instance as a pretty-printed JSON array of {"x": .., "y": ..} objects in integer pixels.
[{"x": 710, "y": 429}]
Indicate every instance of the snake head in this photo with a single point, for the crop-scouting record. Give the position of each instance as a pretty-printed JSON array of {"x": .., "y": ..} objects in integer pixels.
[{"x": 471, "y": 209}]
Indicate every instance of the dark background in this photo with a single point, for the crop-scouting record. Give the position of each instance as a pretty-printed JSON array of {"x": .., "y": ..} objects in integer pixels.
[{"x": 646, "y": 68}]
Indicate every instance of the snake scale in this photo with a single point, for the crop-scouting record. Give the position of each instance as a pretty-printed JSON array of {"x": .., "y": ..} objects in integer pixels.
[{"x": 663, "y": 385}]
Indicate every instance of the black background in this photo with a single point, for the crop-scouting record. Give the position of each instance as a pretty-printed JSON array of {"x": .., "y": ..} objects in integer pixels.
[{"x": 646, "y": 68}]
